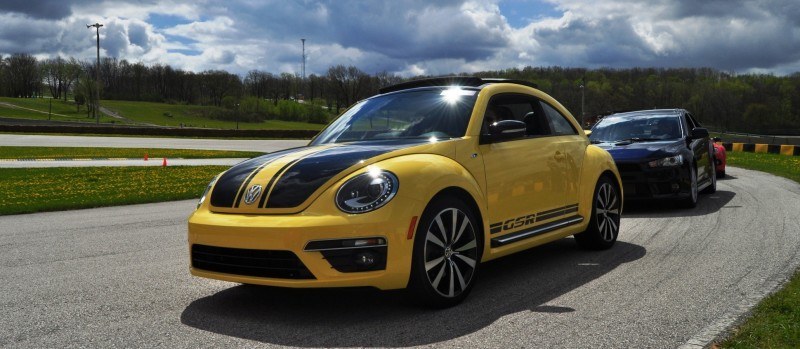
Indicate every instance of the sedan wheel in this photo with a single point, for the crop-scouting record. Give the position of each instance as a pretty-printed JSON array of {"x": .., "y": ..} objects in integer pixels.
[{"x": 691, "y": 201}]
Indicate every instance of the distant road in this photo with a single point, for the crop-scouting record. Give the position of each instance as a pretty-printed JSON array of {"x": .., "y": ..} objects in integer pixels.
[
  {"x": 119, "y": 163},
  {"x": 119, "y": 277},
  {"x": 143, "y": 142}
]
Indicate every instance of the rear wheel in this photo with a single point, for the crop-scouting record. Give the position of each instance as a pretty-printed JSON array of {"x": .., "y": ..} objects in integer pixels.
[
  {"x": 446, "y": 253},
  {"x": 603, "y": 226}
]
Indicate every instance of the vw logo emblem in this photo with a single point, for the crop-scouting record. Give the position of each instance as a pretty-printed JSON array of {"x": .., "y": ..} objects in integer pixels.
[{"x": 252, "y": 194}]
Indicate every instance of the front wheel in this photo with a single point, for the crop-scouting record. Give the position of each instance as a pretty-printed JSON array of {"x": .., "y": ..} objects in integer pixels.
[
  {"x": 446, "y": 255},
  {"x": 603, "y": 226},
  {"x": 691, "y": 201}
]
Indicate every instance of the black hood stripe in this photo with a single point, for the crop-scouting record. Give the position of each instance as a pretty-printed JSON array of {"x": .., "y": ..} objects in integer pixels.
[
  {"x": 303, "y": 178},
  {"x": 272, "y": 181},
  {"x": 229, "y": 187}
]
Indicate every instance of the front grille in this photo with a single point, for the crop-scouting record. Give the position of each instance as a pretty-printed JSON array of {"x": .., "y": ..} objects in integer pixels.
[
  {"x": 623, "y": 167},
  {"x": 261, "y": 263}
]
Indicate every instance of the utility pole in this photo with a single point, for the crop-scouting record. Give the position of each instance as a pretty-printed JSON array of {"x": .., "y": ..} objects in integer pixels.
[
  {"x": 583, "y": 100},
  {"x": 304, "y": 58},
  {"x": 97, "y": 73},
  {"x": 303, "y": 81}
]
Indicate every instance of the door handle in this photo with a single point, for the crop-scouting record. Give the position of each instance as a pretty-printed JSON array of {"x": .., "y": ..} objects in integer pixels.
[{"x": 559, "y": 156}]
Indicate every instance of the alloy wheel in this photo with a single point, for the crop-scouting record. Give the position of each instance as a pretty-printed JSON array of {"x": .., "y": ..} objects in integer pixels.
[
  {"x": 451, "y": 252},
  {"x": 607, "y": 212}
]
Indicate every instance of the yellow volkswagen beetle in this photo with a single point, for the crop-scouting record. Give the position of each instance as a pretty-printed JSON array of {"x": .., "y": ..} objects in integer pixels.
[{"x": 412, "y": 188}]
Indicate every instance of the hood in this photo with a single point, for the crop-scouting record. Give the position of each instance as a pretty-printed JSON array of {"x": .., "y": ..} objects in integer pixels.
[
  {"x": 286, "y": 181},
  {"x": 640, "y": 151}
]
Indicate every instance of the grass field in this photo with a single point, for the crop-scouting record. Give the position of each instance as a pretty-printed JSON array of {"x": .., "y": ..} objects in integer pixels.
[
  {"x": 62, "y": 111},
  {"x": 188, "y": 115},
  {"x": 776, "y": 320},
  {"x": 63, "y": 152},
  {"x": 162, "y": 114},
  {"x": 779, "y": 165},
  {"x": 49, "y": 189}
]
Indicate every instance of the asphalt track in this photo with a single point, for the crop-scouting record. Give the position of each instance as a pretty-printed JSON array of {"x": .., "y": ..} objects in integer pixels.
[
  {"x": 145, "y": 142},
  {"x": 117, "y": 277}
]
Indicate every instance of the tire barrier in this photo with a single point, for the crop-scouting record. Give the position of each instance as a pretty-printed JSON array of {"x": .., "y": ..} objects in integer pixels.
[{"x": 783, "y": 149}]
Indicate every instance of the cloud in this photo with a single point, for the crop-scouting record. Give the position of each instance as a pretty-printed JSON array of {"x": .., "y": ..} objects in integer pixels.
[{"x": 411, "y": 37}]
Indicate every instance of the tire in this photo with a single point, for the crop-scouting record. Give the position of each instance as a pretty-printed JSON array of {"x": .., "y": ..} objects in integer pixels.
[
  {"x": 603, "y": 227},
  {"x": 691, "y": 201},
  {"x": 447, "y": 251},
  {"x": 712, "y": 188}
]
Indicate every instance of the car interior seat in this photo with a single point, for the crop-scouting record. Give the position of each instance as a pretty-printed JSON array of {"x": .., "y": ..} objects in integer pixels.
[{"x": 535, "y": 124}]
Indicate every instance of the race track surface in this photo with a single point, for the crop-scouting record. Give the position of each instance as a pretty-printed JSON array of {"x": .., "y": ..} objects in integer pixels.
[{"x": 118, "y": 277}]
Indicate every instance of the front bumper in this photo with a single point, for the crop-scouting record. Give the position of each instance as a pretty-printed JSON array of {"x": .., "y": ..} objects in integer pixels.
[
  {"x": 639, "y": 181},
  {"x": 274, "y": 238}
]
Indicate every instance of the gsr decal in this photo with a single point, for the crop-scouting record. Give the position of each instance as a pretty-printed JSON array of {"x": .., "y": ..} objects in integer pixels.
[{"x": 512, "y": 223}]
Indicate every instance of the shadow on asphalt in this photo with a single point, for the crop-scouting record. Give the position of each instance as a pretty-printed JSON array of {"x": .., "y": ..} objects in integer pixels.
[
  {"x": 522, "y": 282},
  {"x": 706, "y": 204}
]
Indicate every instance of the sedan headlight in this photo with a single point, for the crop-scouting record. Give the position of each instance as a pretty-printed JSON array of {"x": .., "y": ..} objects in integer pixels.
[
  {"x": 367, "y": 192},
  {"x": 671, "y": 161},
  {"x": 205, "y": 193}
]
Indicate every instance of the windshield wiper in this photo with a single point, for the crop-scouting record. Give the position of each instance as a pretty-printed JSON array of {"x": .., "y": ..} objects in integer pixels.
[{"x": 636, "y": 140}]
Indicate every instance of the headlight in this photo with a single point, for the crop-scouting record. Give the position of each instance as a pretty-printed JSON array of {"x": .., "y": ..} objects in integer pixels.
[
  {"x": 367, "y": 192},
  {"x": 671, "y": 161},
  {"x": 205, "y": 193}
]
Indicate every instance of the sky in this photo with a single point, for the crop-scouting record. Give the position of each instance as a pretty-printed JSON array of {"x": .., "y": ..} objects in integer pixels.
[{"x": 413, "y": 37}]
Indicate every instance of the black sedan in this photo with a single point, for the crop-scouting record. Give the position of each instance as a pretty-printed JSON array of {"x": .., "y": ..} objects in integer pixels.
[{"x": 660, "y": 154}]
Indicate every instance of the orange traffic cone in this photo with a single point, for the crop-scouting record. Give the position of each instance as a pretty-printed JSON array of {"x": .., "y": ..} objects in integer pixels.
[
  {"x": 145, "y": 157},
  {"x": 164, "y": 163}
]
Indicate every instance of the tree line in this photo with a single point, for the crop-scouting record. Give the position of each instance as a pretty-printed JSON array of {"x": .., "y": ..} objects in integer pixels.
[{"x": 726, "y": 101}]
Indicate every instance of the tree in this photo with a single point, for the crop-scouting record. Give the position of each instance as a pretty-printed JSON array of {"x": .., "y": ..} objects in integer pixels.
[{"x": 23, "y": 75}]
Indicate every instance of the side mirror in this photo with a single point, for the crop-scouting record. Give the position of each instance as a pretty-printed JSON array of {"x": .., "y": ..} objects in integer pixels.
[
  {"x": 699, "y": 132},
  {"x": 505, "y": 130},
  {"x": 587, "y": 132}
]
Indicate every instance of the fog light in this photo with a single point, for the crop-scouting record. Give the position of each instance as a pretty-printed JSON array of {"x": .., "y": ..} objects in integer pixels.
[
  {"x": 365, "y": 259},
  {"x": 675, "y": 187}
]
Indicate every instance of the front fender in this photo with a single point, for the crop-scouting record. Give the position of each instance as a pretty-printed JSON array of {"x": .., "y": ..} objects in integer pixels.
[{"x": 596, "y": 162}]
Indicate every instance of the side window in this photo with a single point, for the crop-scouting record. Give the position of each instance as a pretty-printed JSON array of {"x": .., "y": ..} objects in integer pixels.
[
  {"x": 507, "y": 107},
  {"x": 558, "y": 123},
  {"x": 694, "y": 121}
]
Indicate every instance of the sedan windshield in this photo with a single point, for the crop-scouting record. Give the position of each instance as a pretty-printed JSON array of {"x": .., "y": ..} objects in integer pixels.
[
  {"x": 439, "y": 113},
  {"x": 636, "y": 128}
]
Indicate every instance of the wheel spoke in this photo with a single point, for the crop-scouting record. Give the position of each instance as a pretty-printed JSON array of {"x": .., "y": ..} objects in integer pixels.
[
  {"x": 438, "y": 278},
  {"x": 468, "y": 246},
  {"x": 432, "y": 238},
  {"x": 454, "y": 227},
  {"x": 461, "y": 230},
  {"x": 469, "y": 261},
  {"x": 613, "y": 202},
  {"x": 452, "y": 281},
  {"x": 602, "y": 224},
  {"x": 613, "y": 224},
  {"x": 430, "y": 264},
  {"x": 460, "y": 277},
  {"x": 441, "y": 227}
]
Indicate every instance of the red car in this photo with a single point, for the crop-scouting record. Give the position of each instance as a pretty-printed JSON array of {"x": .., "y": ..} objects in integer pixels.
[{"x": 720, "y": 159}]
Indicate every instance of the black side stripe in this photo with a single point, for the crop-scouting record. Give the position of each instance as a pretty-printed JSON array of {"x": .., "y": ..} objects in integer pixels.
[{"x": 556, "y": 212}]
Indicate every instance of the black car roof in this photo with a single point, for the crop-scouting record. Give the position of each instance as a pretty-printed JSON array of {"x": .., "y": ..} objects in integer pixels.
[
  {"x": 470, "y": 81},
  {"x": 650, "y": 112}
]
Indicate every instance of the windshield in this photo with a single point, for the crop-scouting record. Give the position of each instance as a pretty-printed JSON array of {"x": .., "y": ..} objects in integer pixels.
[
  {"x": 636, "y": 128},
  {"x": 431, "y": 113}
]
